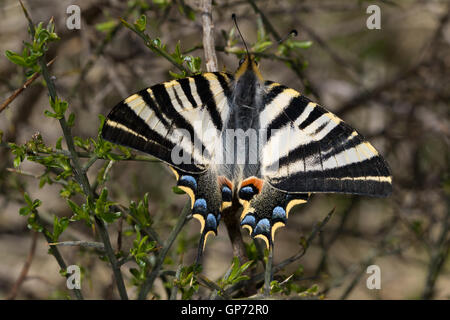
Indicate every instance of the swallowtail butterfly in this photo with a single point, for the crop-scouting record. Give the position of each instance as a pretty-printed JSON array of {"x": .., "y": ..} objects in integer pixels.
[{"x": 289, "y": 146}]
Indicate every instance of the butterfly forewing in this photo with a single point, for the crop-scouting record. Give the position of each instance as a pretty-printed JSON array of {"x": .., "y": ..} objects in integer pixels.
[{"x": 173, "y": 115}]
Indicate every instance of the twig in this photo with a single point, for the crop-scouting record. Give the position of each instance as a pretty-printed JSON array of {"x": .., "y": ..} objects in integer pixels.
[
  {"x": 174, "y": 291},
  {"x": 208, "y": 36},
  {"x": 212, "y": 286},
  {"x": 80, "y": 243},
  {"x": 295, "y": 62},
  {"x": 438, "y": 257},
  {"x": 149, "y": 44},
  {"x": 80, "y": 175},
  {"x": 334, "y": 236},
  {"x": 53, "y": 250},
  {"x": 147, "y": 285},
  {"x": 29, "y": 174},
  {"x": 231, "y": 220},
  {"x": 26, "y": 267},
  {"x": 426, "y": 52},
  {"x": 318, "y": 228},
  {"x": 268, "y": 272},
  {"x": 98, "y": 51},
  {"x": 23, "y": 87}
]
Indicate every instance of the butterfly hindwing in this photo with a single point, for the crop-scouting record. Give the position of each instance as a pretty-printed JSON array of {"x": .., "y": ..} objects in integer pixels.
[
  {"x": 206, "y": 199},
  {"x": 265, "y": 208},
  {"x": 309, "y": 149}
]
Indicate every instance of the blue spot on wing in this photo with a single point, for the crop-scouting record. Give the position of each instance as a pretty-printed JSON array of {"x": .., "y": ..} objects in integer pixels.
[
  {"x": 250, "y": 220},
  {"x": 263, "y": 227},
  {"x": 211, "y": 222},
  {"x": 226, "y": 194},
  {"x": 188, "y": 181},
  {"x": 279, "y": 213},
  {"x": 246, "y": 193},
  {"x": 200, "y": 206}
]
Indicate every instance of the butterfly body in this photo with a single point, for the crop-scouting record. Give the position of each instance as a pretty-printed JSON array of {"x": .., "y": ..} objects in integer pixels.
[{"x": 239, "y": 139}]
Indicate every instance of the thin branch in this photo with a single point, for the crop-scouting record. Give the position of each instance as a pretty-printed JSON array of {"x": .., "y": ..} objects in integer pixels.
[
  {"x": 174, "y": 291},
  {"x": 208, "y": 36},
  {"x": 80, "y": 243},
  {"x": 22, "y": 88},
  {"x": 149, "y": 44},
  {"x": 55, "y": 253},
  {"x": 295, "y": 62},
  {"x": 80, "y": 175},
  {"x": 439, "y": 255},
  {"x": 259, "y": 277},
  {"x": 26, "y": 267},
  {"x": 318, "y": 228},
  {"x": 268, "y": 274},
  {"x": 147, "y": 285}
]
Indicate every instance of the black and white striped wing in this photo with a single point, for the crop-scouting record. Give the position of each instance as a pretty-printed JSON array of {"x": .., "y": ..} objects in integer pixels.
[
  {"x": 309, "y": 149},
  {"x": 180, "y": 123},
  {"x": 169, "y": 120}
]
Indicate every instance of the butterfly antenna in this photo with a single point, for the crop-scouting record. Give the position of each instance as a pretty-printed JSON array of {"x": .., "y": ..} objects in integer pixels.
[
  {"x": 233, "y": 16},
  {"x": 291, "y": 34}
]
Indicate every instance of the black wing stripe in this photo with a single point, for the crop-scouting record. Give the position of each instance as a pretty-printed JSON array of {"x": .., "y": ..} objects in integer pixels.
[
  {"x": 224, "y": 83},
  {"x": 132, "y": 126},
  {"x": 177, "y": 97},
  {"x": 208, "y": 100},
  {"x": 164, "y": 101},
  {"x": 185, "y": 85},
  {"x": 315, "y": 114},
  {"x": 310, "y": 149},
  {"x": 295, "y": 108},
  {"x": 335, "y": 179},
  {"x": 145, "y": 95},
  {"x": 273, "y": 93}
]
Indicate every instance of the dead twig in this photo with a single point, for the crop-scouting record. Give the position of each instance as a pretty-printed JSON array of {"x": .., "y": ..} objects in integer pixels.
[
  {"x": 26, "y": 267},
  {"x": 208, "y": 36},
  {"x": 22, "y": 88}
]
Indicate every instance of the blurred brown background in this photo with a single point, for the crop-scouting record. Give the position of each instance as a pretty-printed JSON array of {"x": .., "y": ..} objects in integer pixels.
[{"x": 392, "y": 85}]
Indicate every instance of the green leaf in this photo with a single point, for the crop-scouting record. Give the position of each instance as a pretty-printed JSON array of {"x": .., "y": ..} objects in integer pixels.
[
  {"x": 106, "y": 26},
  {"x": 141, "y": 23},
  {"x": 15, "y": 58},
  {"x": 58, "y": 145},
  {"x": 261, "y": 46},
  {"x": 50, "y": 114},
  {"x": 17, "y": 162},
  {"x": 27, "y": 199},
  {"x": 71, "y": 120},
  {"x": 59, "y": 225},
  {"x": 24, "y": 211},
  {"x": 186, "y": 10},
  {"x": 299, "y": 44}
]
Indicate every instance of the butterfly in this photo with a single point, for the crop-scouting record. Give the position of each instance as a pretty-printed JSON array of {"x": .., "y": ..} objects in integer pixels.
[{"x": 237, "y": 138}]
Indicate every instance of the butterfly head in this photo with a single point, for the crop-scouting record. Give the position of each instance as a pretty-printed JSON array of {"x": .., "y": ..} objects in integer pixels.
[{"x": 248, "y": 69}]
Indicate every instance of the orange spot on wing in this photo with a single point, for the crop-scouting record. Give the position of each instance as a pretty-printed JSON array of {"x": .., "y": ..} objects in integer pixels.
[
  {"x": 224, "y": 181},
  {"x": 258, "y": 183}
]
